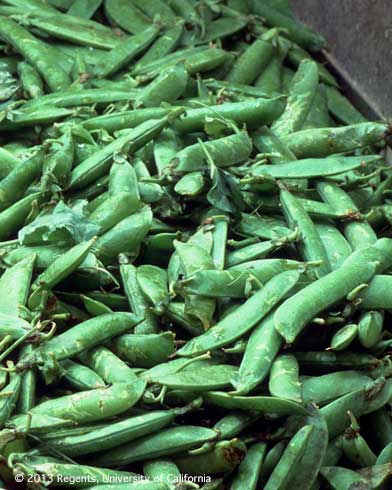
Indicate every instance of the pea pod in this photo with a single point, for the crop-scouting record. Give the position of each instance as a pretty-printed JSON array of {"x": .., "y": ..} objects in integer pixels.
[
  {"x": 284, "y": 381},
  {"x": 9, "y": 396},
  {"x": 126, "y": 15},
  {"x": 250, "y": 468},
  {"x": 31, "y": 80},
  {"x": 14, "y": 284}
]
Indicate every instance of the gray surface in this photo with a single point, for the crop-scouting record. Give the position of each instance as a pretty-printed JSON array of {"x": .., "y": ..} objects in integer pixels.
[{"x": 359, "y": 35}]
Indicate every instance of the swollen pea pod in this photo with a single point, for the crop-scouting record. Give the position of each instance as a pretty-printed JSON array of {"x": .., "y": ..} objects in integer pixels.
[
  {"x": 94, "y": 307},
  {"x": 263, "y": 345},
  {"x": 80, "y": 377},
  {"x": 126, "y": 15},
  {"x": 270, "y": 80},
  {"x": 344, "y": 337},
  {"x": 145, "y": 350},
  {"x": 14, "y": 185},
  {"x": 15, "y": 284},
  {"x": 250, "y": 468},
  {"x": 283, "y": 380},
  {"x": 125, "y": 237},
  {"x": 262, "y": 226},
  {"x": 9, "y": 397},
  {"x": 108, "y": 366},
  {"x": 370, "y": 327},
  {"x": 205, "y": 61},
  {"x": 163, "y": 46},
  {"x": 223, "y": 27},
  {"x": 224, "y": 457},
  {"x": 251, "y": 62},
  {"x": 118, "y": 433},
  {"x": 150, "y": 192},
  {"x": 137, "y": 301},
  {"x": 294, "y": 30},
  {"x": 99, "y": 163},
  {"x": 355, "y": 447},
  {"x": 168, "y": 87},
  {"x": 244, "y": 318},
  {"x": 82, "y": 337},
  {"x": 114, "y": 209},
  {"x": 302, "y": 92},
  {"x": 310, "y": 246},
  {"x": 360, "y": 402},
  {"x": 285, "y": 470},
  {"x": 36, "y": 52},
  {"x": 358, "y": 233},
  {"x": 336, "y": 246},
  {"x": 172, "y": 440},
  {"x": 322, "y": 142},
  {"x": 296, "y": 312},
  {"x": 122, "y": 54},
  {"x": 84, "y": 9},
  {"x": 341, "y": 108},
  {"x": 31, "y": 80}
]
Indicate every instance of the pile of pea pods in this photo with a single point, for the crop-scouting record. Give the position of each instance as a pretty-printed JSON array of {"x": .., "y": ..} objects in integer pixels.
[{"x": 195, "y": 253}]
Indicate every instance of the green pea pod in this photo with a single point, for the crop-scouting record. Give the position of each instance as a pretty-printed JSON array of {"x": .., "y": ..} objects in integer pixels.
[
  {"x": 145, "y": 350},
  {"x": 336, "y": 246},
  {"x": 377, "y": 295},
  {"x": 322, "y": 142},
  {"x": 31, "y": 80},
  {"x": 80, "y": 377},
  {"x": 9, "y": 396},
  {"x": 114, "y": 209},
  {"x": 301, "y": 95},
  {"x": 341, "y": 108},
  {"x": 123, "y": 178},
  {"x": 344, "y": 337},
  {"x": 108, "y": 366},
  {"x": 355, "y": 447},
  {"x": 296, "y": 312},
  {"x": 250, "y": 468},
  {"x": 122, "y": 54},
  {"x": 191, "y": 184},
  {"x": 137, "y": 300},
  {"x": 370, "y": 327},
  {"x": 94, "y": 307},
  {"x": 326, "y": 388},
  {"x": 162, "y": 470},
  {"x": 14, "y": 185},
  {"x": 168, "y": 87},
  {"x": 340, "y": 478},
  {"x": 84, "y": 9},
  {"x": 82, "y": 337},
  {"x": 13, "y": 326},
  {"x": 59, "y": 160},
  {"x": 149, "y": 192},
  {"x": 225, "y": 152},
  {"x": 35, "y": 52},
  {"x": 164, "y": 443},
  {"x": 125, "y": 237},
  {"x": 205, "y": 61},
  {"x": 99, "y": 164},
  {"x": 163, "y": 46},
  {"x": 385, "y": 455},
  {"x": 284, "y": 381},
  {"x": 92, "y": 405},
  {"x": 153, "y": 283},
  {"x": 7, "y": 162},
  {"x": 38, "y": 424},
  {"x": 126, "y": 15},
  {"x": 27, "y": 395},
  {"x": 271, "y": 460},
  {"x": 223, "y": 27},
  {"x": 15, "y": 284},
  {"x": 263, "y": 345},
  {"x": 236, "y": 324}
]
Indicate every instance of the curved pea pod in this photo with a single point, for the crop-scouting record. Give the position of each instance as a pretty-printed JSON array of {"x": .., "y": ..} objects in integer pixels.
[
  {"x": 14, "y": 217},
  {"x": 80, "y": 377},
  {"x": 137, "y": 300},
  {"x": 254, "y": 113},
  {"x": 100, "y": 162},
  {"x": 124, "y": 52},
  {"x": 31, "y": 80},
  {"x": 322, "y": 142},
  {"x": 287, "y": 465},
  {"x": 152, "y": 281},
  {"x": 82, "y": 337},
  {"x": 11, "y": 325},
  {"x": 37, "y": 423},
  {"x": 301, "y": 95},
  {"x": 311, "y": 247},
  {"x": 225, "y": 152},
  {"x": 326, "y": 388},
  {"x": 7, "y": 162},
  {"x": 370, "y": 327},
  {"x": 355, "y": 446},
  {"x": 263, "y": 345},
  {"x": 59, "y": 270},
  {"x": 59, "y": 160},
  {"x": 9, "y": 397},
  {"x": 358, "y": 233},
  {"x": 169, "y": 441},
  {"x": 114, "y": 209},
  {"x": 335, "y": 244},
  {"x": 92, "y": 405},
  {"x": 385, "y": 455},
  {"x": 19, "y": 179},
  {"x": 360, "y": 402},
  {"x": 118, "y": 433},
  {"x": 123, "y": 178},
  {"x": 294, "y": 30},
  {"x": 344, "y": 337},
  {"x": 15, "y": 285},
  {"x": 126, "y": 15},
  {"x": 94, "y": 307},
  {"x": 249, "y": 469},
  {"x": 145, "y": 350},
  {"x": 309, "y": 464},
  {"x": 108, "y": 366},
  {"x": 223, "y": 27},
  {"x": 284, "y": 381},
  {"x": 35, "y": 52},
  {"x": 125, "y": 237},
  {"x": 343, "y": 478},
  {"x": 244, "y": 318},
  {"x": 296, "y": 312},
  {"x": 205, "y": 377},
  {"x": 341, "y": 108}
]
